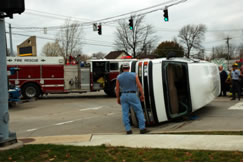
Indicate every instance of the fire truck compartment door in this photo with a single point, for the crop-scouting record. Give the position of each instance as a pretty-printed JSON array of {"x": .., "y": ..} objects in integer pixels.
[
  {"x": 85, "y": 78},
  {"x": 71, "y": 77},
  {"x": 204, "y": 83}
]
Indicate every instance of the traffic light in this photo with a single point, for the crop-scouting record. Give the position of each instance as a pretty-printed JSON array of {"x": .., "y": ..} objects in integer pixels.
[
  {"x": 99, "y": 29},
  {"x": 10, "y": 7},
  {"x": 131, "y": 23},
  {"x": 166, "y": 15}
]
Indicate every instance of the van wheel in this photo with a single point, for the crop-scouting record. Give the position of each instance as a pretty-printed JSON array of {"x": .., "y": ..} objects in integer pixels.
[{"x": 30, "y": 90}]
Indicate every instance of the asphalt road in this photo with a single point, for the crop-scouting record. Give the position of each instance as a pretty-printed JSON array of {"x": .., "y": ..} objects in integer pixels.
[{"x": 74, "y": 114}]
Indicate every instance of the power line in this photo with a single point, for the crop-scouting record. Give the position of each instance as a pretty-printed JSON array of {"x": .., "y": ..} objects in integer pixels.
[
  {"x": 86, "y": 43},
  {"x": 53, "y": 39},
  {"x": 78, "y": 38},
  {"x": 58, "y": 15},
  {"x": 137, "y": 11},
  {"x": 221, "y": 40},
  {"x": 211, "y": 30}
]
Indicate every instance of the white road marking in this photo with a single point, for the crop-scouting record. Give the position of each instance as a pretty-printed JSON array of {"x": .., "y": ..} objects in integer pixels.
[
  {"x": 62, "y": 123},
  {"x": 110, "y": 114},
  {"x": 95, "y": 108},
  {"x": 238, "y": 106},
  {"x": 30, "y": 130}
]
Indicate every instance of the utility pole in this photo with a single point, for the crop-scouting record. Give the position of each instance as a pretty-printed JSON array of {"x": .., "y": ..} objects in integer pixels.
[
  {"x": 6, "y": 137},
  {"x": 8, "y": 9},
  {"x": 228, "y": 46},
  {"x": 10, "y": 39}
]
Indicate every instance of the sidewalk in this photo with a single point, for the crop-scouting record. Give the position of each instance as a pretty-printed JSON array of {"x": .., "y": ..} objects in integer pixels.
[{"x": 163, "y": 141}]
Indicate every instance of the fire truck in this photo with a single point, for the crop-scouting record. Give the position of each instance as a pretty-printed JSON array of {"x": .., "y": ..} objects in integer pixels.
[{"x": 44, "y": 75}]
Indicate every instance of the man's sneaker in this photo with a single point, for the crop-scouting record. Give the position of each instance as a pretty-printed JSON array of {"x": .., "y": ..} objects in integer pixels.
[
  {"x": 129, "y": 132},
  {"x": 144, "y": 131}
]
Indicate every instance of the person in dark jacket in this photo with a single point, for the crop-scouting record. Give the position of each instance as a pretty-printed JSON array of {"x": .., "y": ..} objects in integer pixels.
[{"x": 223, "y": 77}]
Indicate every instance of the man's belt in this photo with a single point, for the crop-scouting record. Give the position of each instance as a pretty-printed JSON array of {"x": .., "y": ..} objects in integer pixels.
[{"x": 129, "y": 92}]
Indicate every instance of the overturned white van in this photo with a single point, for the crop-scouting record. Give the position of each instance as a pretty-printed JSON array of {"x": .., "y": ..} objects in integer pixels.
[{"x": 175, "y": 87}]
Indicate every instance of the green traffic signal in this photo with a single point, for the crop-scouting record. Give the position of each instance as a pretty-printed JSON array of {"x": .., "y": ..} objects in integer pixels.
[
  {"x": 131, "y": 24},
  {"x": 166, "y": 15}
]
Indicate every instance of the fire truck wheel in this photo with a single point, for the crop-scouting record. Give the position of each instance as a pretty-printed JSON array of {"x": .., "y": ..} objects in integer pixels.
[
  {"x": 111, "y": 92},
  {"x": 30, "y": 90},
  {"x": 107, "y": 92}
]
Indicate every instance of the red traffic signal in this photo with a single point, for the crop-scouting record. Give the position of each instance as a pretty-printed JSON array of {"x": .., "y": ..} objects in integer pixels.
[{"x": 99, "y": 29}]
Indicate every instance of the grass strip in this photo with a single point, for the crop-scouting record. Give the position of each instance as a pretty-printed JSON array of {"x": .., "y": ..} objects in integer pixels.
[{"x": 61, "y": 153}]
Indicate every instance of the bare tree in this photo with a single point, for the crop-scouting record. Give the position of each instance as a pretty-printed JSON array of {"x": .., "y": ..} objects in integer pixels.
[
  {"x": 83, "y": 57},
  {"x": 200, "y": 54},
  {"x": 98, "y": 55},
  {"x": 52, "y": 49},
  {"x": 139, "y": 40},
  {"x": 240, "y": 50},
  {"x": 76, "y": 52},
  {"x": 70, "y": 38},
  {"x": 192, "y": 36},
  {"x": 219, "y": 52},
  {"x": 222, "y": 52}
]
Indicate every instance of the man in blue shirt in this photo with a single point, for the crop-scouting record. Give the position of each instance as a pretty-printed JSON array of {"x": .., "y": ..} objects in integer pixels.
[
  {"x": 235, "y": 76},
  {"x": 127, "y": 84}
]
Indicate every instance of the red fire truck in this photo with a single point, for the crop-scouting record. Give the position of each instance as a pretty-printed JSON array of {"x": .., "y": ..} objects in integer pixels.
[{"x": 43, "y": 75}]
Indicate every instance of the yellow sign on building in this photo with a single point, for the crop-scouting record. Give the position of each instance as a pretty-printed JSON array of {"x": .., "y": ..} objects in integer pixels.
[{"x": 27, "y": 48}]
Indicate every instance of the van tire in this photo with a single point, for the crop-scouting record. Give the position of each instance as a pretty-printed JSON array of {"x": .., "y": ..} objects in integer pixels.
[{"x": 30, "y": 90}]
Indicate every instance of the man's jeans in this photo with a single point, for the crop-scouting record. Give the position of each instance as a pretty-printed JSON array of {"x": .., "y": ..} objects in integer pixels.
[{"x": 129, "y": 100}]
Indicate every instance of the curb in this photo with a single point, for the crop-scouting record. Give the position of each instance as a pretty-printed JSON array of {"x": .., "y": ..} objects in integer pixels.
[{"x": 17, "y": 145}]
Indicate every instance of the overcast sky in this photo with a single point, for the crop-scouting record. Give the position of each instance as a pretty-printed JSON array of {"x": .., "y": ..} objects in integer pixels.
[{"x": 222, "y": 17}]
